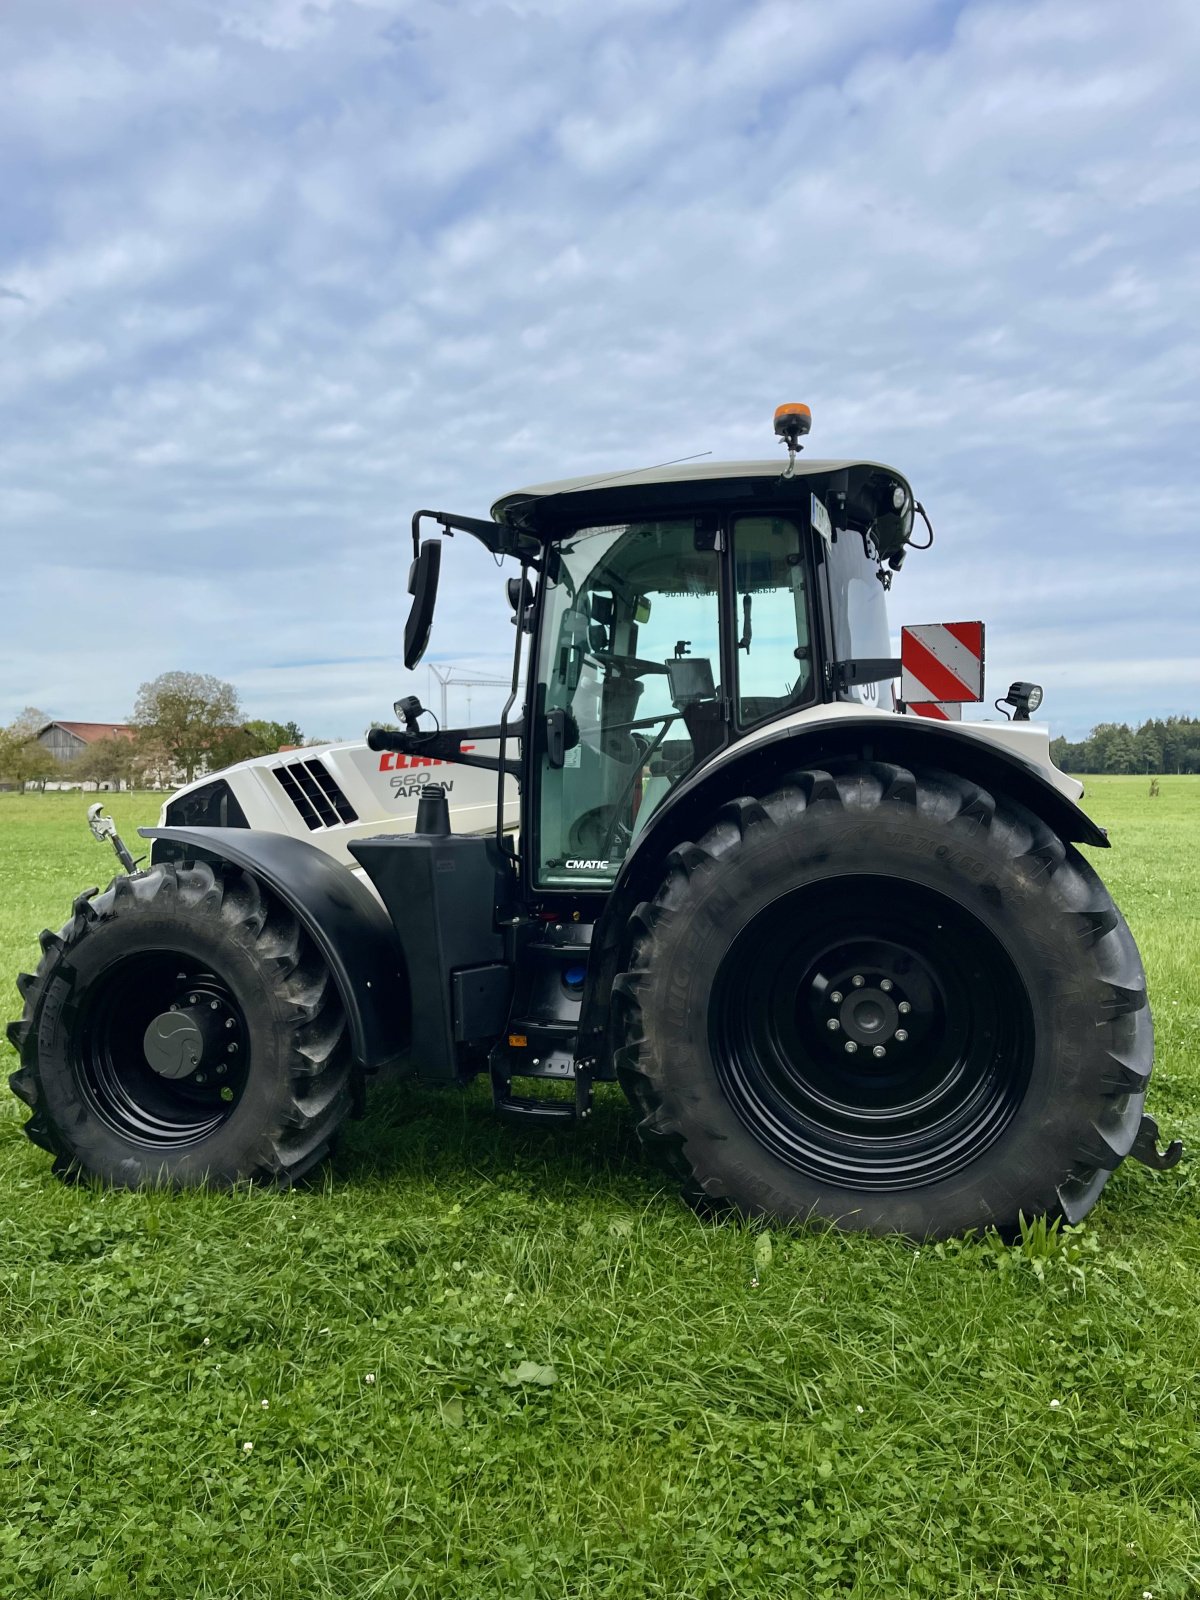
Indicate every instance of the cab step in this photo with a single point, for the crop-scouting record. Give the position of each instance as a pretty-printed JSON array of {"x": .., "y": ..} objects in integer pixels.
[{"x": 536, "y": 1108}]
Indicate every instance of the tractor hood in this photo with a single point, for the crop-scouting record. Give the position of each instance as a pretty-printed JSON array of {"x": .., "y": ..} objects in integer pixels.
[{"x": 334, "y": 794}]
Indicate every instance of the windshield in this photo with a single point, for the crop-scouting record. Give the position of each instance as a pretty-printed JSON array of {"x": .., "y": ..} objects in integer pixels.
[{"x": 629, "y": 686}]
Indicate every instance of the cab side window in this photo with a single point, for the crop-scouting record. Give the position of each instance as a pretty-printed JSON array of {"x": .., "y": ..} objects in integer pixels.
[{"x": 774, "y": 647}]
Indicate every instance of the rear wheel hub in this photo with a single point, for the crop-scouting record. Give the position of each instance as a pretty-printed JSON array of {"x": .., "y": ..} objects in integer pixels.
[{"x": 876, "y": 1036}]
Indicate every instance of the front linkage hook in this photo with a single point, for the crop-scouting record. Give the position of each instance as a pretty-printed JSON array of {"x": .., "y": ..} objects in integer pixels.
[{"x": 105, "y": 828}]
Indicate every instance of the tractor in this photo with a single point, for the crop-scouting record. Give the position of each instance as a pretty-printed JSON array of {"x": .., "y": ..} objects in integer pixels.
[{"x": 845, "y": 957}]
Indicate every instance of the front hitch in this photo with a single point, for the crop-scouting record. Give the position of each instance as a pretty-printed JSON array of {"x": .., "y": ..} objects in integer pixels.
[{"x": 105, "y": 828}]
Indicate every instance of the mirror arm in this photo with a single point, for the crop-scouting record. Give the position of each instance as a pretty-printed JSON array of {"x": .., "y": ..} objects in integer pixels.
[
  {"x": 446, "y": 745},
  {"x": 499, "y": 539}
]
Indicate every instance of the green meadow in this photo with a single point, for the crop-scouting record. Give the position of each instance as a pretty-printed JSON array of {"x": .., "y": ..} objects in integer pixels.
[{"x": 471, "y": 1361}]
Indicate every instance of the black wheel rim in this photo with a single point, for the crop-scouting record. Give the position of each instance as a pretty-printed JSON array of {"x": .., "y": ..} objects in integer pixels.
[
  {"x": 872, "y": 1033},
  {"x": 113, "y": 1060}
]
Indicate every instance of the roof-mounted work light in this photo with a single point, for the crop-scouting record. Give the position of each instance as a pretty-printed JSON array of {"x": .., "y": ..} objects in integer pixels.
[{"x": 1024, "y": 698}]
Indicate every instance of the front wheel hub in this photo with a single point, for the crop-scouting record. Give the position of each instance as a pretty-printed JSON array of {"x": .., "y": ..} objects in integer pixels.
[
  {"x": 189, "y": 1039},
  {"x": 163, "y": 1049}
]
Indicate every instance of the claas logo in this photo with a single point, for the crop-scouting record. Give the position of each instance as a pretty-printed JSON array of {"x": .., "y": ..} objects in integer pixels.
[{"x": 393, "y": 761}]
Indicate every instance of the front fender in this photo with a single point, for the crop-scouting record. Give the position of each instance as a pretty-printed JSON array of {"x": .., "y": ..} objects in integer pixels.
[
  {"x": 757, "y": 764},
  {"x": 344, "y": 920}
]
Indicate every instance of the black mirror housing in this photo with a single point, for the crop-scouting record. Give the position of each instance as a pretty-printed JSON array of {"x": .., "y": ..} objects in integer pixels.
[{"x": 423, "y": 586}]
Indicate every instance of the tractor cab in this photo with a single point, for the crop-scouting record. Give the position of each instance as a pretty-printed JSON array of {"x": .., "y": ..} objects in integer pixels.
[
  {"x": 676, "y": 617},
  {"x": 676, "y": 612}
]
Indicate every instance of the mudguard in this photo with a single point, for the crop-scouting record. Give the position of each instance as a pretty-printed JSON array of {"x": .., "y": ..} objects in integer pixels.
[
  {"x": 341, "y": 916},
  {"x": 755, "y": 765}
]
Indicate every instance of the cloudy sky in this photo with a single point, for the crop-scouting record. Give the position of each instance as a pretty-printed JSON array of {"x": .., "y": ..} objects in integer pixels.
[{"x": 273, "y": 273}]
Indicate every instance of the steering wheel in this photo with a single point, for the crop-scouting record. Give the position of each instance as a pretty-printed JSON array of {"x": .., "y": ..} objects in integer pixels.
[{"x": 628, "y": 666}]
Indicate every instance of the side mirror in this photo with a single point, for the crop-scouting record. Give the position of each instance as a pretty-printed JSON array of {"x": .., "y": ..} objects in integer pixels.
[
  {"x": 520, "y": 598},
  {"x": 423, "y": 586}
]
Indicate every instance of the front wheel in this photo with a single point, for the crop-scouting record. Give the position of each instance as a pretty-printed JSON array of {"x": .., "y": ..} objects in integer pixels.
[
  {"x": 890, "y": 1002},
  {"x": 182, "y": 1029}
]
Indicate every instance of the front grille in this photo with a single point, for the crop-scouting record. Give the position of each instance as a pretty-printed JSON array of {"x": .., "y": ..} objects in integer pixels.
[{"x": 315, "y": 793}]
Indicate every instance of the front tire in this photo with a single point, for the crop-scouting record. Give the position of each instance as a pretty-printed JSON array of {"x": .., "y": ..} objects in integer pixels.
[
  {"x": 182, "y": 1029},
  {"x": 887, "y": 1001}
]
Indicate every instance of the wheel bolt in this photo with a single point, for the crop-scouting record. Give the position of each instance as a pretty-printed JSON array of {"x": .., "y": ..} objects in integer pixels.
[
  {"x": 835, "y": 998},
  {"x": 901, "y": 1035},
  {"x": 886, "y": 985},
  {"x": 879, "y": 1052},
  {"x": 833, "y": 1024},
  {"x": 851, "y": 1047},
  {"x": 192, "y": 998},
  {"x": 229, "y": 1023},
  {"x": 200, "y": 1078},
  {"x": 231, "y": 1049},
  {"x": 858, "y": 980},
  {"x": 904, "y": 1008},
  {"x": 214, "y": 1005},
  {"x": 222, "y": 1069}
]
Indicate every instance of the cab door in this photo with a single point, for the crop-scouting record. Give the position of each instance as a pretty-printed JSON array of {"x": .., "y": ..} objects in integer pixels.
[{"x": 628, "y": 692}]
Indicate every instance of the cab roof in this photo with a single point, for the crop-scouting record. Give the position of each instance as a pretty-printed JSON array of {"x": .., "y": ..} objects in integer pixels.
[{"x": 567, "y": 499}]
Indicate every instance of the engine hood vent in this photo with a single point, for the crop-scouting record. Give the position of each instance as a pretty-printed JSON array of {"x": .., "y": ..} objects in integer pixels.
[{"x": 315, "y": 793}]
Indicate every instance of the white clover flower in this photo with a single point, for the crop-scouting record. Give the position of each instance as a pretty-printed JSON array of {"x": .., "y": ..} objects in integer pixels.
[
  {"x": 1054, "y": 1404},
  {"x": 370, "y": 1378},
  {"x": 266, "y": 1405},
  {"x": 207, "y": 1340},
  {"x": 247, "y": 1448},
  {"x": 859, "y": 1409}
]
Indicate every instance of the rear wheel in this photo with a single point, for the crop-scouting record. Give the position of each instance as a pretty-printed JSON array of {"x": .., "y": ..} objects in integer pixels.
[
  {"x": 182, "y": 1029},
  {"x": 888, "y": 1001}
]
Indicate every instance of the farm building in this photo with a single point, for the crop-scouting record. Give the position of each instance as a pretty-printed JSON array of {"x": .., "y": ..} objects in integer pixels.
[{"x": 66, "y": 741}]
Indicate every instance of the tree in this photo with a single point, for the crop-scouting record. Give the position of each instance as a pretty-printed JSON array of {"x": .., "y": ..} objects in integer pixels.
[
  {"x": 106, "y": 761},
  {"x": 185, "y": 714},
  {"x": 258, "y": 738},
  {"x": 1149, "y": 739},
  {"x": 23, "y": 759}
]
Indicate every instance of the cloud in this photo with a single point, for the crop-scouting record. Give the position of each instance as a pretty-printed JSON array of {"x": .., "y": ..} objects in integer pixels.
[{"x": 277, "y": 273}]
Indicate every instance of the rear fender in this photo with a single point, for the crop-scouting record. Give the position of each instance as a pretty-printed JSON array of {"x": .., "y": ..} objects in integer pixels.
[
  {"x": 343, "y": 918},
  {"x": 756, "y": 767}
]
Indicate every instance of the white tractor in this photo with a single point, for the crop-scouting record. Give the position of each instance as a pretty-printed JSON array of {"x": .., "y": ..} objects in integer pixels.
[{"x": 845, "y": 957}]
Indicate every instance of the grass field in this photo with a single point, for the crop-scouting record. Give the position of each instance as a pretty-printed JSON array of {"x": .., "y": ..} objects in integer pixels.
[{"x": 480, "y": 1362}]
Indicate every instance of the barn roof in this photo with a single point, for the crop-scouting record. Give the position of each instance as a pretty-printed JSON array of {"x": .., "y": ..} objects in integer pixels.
[{"x": 90, "y": 732}]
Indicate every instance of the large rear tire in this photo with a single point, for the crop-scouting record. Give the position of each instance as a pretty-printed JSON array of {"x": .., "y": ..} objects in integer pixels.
[
  {"x": 182, "y": 1029},
  {"x": 887, "y": 1001}
]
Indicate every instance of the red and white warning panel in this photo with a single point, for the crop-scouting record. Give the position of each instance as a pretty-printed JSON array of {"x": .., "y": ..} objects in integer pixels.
[
  {"x": 941, "y": 663},
  {"x": 937, "y": 710}
]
